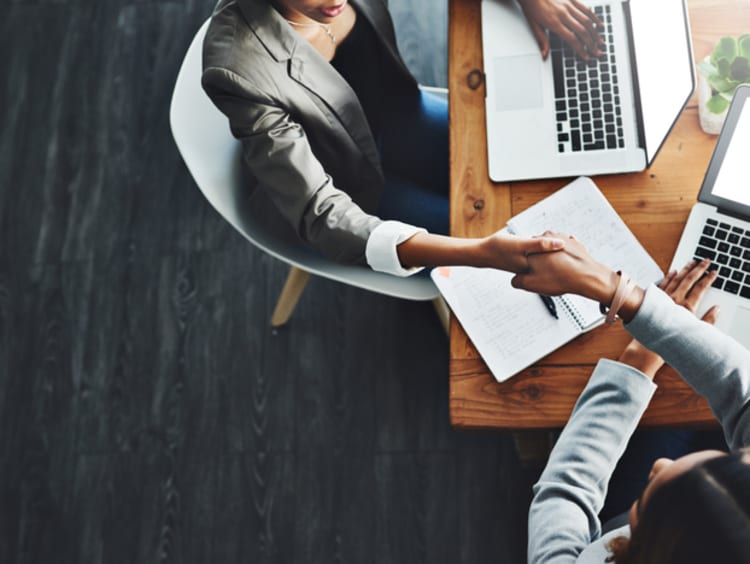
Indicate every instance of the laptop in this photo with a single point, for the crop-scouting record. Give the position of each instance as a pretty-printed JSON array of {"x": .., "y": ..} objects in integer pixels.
[
  {"x": 719, "y": 224},
  {"x": 566, "y": 117}
]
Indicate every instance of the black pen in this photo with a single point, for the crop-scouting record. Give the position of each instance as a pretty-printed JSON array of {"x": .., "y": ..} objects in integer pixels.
[{"x": 550, "y": 305}]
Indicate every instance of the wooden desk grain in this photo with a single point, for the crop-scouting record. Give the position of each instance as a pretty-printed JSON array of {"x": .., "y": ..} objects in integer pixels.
[{"x": 654, "y": 203}]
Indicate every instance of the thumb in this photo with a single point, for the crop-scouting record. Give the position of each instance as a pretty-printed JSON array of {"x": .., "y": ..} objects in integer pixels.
[
  {"x": 543, "y": 245},
  {"x": 541, "y": 38},
  {"x": 711, "y": 315},
  {"x": 519, "y": 281}
]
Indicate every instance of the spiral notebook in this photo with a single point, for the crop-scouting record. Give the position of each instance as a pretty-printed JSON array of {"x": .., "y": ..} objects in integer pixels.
[{"x": 511, "y": 328}]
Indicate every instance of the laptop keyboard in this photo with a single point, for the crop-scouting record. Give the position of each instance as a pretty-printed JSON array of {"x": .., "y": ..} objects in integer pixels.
[
  {"x": 728, "y": 246},
  {"x": 587, "y": 97}
]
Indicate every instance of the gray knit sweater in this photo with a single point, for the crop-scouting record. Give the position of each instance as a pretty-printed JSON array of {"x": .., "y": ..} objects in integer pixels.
[{"x": 563, "y": 519}]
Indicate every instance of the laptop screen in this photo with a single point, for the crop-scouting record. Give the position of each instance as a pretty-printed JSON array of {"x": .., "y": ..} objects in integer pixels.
[
  {"x": 664, "y": 61},
  {"x": 727, "y": 182}
]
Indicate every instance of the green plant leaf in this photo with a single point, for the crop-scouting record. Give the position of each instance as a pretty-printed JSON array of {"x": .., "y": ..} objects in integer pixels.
[
  {"x": 720, "y": 84},
  {"x": 743, "y": 45},
  {"x": 740, "y": 69},
  {"x": 724, "y": 67},
  {"x": 726, "y": 48},
  {"x": 707, "y": 69},
  {"x": 717, "y": 104}
]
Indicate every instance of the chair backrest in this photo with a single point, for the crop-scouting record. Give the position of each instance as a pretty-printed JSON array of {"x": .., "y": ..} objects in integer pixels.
[{"x": 212, "y": 156}]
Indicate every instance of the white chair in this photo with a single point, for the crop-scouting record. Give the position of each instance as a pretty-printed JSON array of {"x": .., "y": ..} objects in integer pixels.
[{"x": 212, "y": 155}]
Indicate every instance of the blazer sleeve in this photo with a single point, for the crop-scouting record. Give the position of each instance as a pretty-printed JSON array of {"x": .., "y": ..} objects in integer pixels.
[
  {"x": 715, "y": 365},
  {"x": 278, "y": 154}
]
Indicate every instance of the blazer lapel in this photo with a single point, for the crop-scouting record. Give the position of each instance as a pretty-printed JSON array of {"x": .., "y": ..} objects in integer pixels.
[{"x": 307, "y": 67}]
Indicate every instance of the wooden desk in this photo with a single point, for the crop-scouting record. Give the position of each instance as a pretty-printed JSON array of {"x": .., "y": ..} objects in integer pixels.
[{"x": 654, "y": 203}]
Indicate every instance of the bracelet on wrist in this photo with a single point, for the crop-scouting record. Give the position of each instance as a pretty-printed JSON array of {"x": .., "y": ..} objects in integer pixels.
[{"x": 625, "y": 287}]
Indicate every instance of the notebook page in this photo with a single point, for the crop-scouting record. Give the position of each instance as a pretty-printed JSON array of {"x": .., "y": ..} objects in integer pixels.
[
  {"x": 510, "y": 328},
  {"x": 582, "y": 210},
  {"x": 586, "y": 312}
]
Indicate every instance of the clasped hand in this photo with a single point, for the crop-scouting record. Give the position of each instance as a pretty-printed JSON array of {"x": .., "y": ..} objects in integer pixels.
[{"x": 572, "y": 270}]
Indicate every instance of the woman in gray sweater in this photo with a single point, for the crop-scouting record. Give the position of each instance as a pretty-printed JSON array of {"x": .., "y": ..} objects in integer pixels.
[{"x": 695, "y": 508}]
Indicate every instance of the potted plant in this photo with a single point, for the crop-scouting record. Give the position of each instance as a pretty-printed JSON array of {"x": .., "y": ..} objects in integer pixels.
[{"x": 720, "y": 74}]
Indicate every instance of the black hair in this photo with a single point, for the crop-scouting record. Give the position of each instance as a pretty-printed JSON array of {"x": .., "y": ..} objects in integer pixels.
[{"x": 701, "y": 516}]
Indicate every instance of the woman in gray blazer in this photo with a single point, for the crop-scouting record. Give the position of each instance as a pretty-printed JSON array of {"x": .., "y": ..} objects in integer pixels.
[{"x": 338, "y": 137}]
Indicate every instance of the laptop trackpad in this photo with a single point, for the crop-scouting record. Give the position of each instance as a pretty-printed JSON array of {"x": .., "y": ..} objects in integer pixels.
[
  {"x": 520, "y": 82},
  {"x": 740, "y": 328}
]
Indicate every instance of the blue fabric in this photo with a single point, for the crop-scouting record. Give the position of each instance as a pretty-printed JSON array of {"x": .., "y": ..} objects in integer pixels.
[{"x": 414, "y": 151}]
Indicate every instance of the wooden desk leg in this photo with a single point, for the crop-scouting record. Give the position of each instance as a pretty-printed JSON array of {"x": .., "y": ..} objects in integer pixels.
[
  {"x": 296, "y": 281},
  {"x": 441, "y": 308},
  {"x": 533, "y": 447}
]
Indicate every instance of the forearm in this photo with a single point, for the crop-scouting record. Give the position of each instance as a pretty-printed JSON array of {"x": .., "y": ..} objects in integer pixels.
[
  {"x": 600, "y": 283},
  {"x": 571, "y": 490},
  {"x": 500, "y": 250},
  {"x": 714, "y": 364},
  {"x": 427, "y": 249}
]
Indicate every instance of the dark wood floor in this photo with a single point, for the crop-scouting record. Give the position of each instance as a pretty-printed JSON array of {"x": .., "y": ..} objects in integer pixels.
[{"x": 147, "y": 412}]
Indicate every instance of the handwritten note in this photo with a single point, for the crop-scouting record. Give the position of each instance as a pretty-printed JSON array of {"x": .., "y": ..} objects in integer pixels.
[{"x": 509, "y": 327}]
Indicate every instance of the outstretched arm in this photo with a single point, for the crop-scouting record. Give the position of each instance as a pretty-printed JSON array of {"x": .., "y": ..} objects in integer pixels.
[
  {"x": 713, "y": 363},
  {"x": 563, "y": 518},
  {"x": 505, "y": 252}
]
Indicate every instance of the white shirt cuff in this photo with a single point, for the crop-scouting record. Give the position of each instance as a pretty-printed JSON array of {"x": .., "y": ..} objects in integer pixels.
[{"x": 381, "y": 246}]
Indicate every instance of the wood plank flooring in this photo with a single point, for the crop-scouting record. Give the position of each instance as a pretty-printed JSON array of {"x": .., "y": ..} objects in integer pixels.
[{"x": 147, "y": 411}]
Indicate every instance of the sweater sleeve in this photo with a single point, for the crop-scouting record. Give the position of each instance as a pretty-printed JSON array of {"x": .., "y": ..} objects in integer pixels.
[
  {"x": 563, "y": 517},
  {"x": 714, "y": 364}
]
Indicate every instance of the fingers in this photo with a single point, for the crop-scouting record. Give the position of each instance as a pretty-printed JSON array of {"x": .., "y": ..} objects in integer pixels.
[
  {"x": 673, "y": 285},
  {"x": 519, "y": 281},
  {"x": 587, "y": 37},
  {"x": 692, "y": 286},
  {"x": 544, "y": 244},
  {"x": 541, "y": 38},
  {"x": 578, "y": 26},
  {"x": 592, "y": 22},
  {"x": 569, "y": 31},
  {"x": 688, "y": 286},
  {"x": 711, "y": 315},
  {"x": 700, "y": 286},
  {"x": 589, "y": 13},
  {"x": 666, "y": 281}
]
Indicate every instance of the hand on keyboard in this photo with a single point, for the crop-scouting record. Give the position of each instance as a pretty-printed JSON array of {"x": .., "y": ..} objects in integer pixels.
[{"x": 571, "y": 20}]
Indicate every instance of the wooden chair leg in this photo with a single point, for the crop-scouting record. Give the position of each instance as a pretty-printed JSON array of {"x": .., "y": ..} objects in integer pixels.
[
  {"x": 296, "y": 281},
  {"x": 441, "y": 308}
]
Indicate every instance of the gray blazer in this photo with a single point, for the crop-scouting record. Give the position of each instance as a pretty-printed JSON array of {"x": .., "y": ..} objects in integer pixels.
[{"x": 306, "y": 141}]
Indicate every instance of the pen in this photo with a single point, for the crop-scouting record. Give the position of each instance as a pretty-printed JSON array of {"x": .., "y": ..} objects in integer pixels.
[{"x": 550, "y": 305}]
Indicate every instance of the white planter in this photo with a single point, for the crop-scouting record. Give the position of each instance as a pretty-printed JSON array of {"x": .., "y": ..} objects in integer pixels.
[{"x": 710, "y": 122}]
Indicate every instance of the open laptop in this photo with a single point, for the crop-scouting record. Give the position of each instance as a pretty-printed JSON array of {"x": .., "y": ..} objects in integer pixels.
[
  {"x": 719, "y": 224},
  {"x": 566, "y": 117}
]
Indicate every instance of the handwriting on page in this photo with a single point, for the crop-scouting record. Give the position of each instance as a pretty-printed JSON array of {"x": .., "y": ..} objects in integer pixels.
[
  {"x": 582, "y": 210},
  {"x": 508, "y": 326}
]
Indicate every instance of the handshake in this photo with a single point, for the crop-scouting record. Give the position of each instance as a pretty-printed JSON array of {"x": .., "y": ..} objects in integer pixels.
[{"x": 569, "y": 268}]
